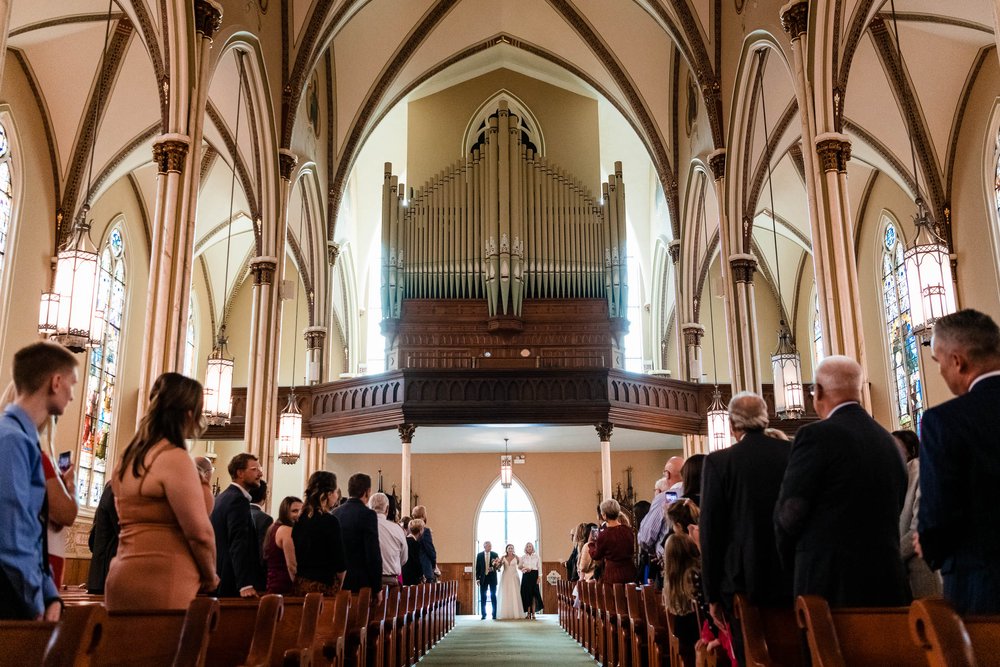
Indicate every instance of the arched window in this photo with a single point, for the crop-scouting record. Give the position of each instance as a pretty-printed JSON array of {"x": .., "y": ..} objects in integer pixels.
[
  {"x": 190, "y": 341},
  {"x": 507, "y": 517},
  {"x": 102, "y": 374},
  {"x": 6, "y": 194},
  {"x": 905, "y": 383},
  {"x": 817, "y": 334}
]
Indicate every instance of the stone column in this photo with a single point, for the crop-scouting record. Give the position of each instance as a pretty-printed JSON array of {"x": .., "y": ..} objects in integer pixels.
[
  {"x": 174, "y": 211},
  {"x": 315, "y": 341},
  {"x": 746, "y": 362},
  {"x": 604, "y": 433},
  {"x": 692, "y": 366},
  {"x": 406, "y": 438},
  {"x": 679, "y": 307},
  {"x": 717, "y": 162},
  {"x": 166, "y": 288},
  {"x": 314, "y": 451},
  {"x": 261, "y": 419},
  {"x": 826, "y": 186}
]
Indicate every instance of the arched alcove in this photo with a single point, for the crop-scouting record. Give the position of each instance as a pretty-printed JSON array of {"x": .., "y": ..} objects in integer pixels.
[{"x": 506, "y": 516}]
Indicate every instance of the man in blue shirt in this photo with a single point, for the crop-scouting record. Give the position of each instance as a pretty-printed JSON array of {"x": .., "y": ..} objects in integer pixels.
[{"x": 44, "y": 377}]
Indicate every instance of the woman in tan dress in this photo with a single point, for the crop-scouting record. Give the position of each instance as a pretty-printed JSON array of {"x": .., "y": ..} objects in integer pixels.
[{"x": 166, "y": 550}]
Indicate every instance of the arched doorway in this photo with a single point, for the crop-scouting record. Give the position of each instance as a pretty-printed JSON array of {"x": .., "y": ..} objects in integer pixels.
[{"x": 506, "y": 516}]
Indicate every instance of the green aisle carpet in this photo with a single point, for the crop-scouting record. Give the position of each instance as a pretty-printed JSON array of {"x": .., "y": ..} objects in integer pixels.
[{"x": 481, "y": 643}]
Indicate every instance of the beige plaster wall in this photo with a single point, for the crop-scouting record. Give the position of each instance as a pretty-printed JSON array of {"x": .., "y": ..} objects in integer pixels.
[
  {"x": 563, "y": 488},
  {"x": 437, "y": 124}
]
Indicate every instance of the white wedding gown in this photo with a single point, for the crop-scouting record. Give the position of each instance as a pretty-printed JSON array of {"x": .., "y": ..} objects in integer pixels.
[{"x": 510, "y": 591}]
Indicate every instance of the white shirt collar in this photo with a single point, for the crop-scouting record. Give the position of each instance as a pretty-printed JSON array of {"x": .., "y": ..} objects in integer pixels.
[
  {"x": 991, "y": 374},
  {"x": 840, "y": 405},
  {"x": 245, "y": 493}
]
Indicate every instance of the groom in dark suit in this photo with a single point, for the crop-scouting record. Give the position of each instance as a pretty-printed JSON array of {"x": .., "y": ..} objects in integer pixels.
[
  {"x": 960, "y": 464},
  {"x": 486, "y": 575}
]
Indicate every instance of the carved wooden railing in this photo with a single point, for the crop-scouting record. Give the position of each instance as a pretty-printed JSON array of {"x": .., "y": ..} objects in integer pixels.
[{"x": 513, "y": 396}]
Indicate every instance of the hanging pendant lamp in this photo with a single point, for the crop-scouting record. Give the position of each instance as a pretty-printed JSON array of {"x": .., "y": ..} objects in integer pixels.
[
  {"x": 786, "y": 363},
  {"x": 717, "y": 416},
  {"x": 506, "y": 467},
  {"x": 290, "y": 420}
]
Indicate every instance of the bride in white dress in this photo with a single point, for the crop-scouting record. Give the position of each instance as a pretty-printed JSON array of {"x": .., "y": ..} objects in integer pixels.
[{"x": 510, "y": 586}]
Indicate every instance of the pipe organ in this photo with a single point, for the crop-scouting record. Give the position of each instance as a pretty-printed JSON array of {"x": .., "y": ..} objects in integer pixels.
[{"x": 505, "y": 224}]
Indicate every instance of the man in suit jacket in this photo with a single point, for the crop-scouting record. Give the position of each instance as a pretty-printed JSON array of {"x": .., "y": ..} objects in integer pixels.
[
  {"x": 960, "y": 465},
  {"x": 359, "y": 528},
  {"x": 486, "y": 575},
  {"x": 837, "y": 517},
  {"x": 261, "y": 522},
  {"x": 237, "y": 558},
  {"x": 739, "y": 488}
]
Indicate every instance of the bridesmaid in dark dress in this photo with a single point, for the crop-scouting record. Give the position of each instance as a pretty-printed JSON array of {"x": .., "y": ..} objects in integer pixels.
[
  {"x": 279, "y": 548},
  {"x": 615, "y": 545}
]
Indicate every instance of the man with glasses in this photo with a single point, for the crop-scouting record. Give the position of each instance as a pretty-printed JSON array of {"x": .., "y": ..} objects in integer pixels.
[{"x": 837, "y": 516}]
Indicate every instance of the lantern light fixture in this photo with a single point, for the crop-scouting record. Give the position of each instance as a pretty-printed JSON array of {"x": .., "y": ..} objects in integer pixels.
[
  {"x": 930, "y": 285},
  {"x": 68, "y": 314},
  {"x": 219, "y": 371},
  {"x": 506, "y": 467},
  {"x": 290, "y": 420}
]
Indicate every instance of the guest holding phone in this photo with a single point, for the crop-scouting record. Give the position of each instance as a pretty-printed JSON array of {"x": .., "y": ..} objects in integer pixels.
[{"x": 615, "y": 545}]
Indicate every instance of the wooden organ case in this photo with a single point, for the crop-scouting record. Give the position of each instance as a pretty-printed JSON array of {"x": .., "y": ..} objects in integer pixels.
[{"x": 503, "y": 260}]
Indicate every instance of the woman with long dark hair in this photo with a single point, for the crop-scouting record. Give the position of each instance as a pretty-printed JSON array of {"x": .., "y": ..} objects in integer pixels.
[
  {"x": 319, "y": 546},
  {"x": 279, "y": 549},
  {"x": 166, "y": 548}
]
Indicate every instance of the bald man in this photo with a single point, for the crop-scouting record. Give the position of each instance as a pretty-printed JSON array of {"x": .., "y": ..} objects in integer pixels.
[
  {"x": 837, "y": 516},
  {"x": 653, "y": 529}
]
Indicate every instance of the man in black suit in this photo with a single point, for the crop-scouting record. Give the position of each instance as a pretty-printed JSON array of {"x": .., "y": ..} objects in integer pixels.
[
  {"x": 237, "y": 559},
  {"x": 960, "y": 465},
  {"x": 739, "y": 488},
  {"x": 359, "y": 528},
  {"x": 837, "y": 517},
  {"x": 486, "y": 575}
]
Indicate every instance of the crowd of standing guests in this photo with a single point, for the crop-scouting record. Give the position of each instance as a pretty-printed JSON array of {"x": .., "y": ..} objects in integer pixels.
[{"x": 849, "y": 511}]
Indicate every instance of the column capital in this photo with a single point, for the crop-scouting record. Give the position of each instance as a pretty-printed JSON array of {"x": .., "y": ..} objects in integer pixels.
[
  {"x": 674, "y": 248},
  {"x": 834, "y": 151},
  {"x": 743, "y": 267},
  {"x": 604, "y": 430},
  {"x": 693, "y": 333},
  {"x": 286, "y": 163},
  {"x": 332, "y": 252},
  {"x": 406, "y": 432},
  {"x": 207, "y": 17},
  {"x": 263, "y": 269},
  {"x": 314, "y": 337},
  {"x": 795, "y": 18},
  {"x": 717, "y": 161},
  {"x": 170, "y": 151}
]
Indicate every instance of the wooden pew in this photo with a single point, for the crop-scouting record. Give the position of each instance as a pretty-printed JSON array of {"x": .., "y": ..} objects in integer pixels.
[
  {"x": 354, "y": 635},
  {"x": 856, "y": 636},
  {"x": 950, "y": 641},
  {"x": 624, "y": 624},
  {"x": 325, "y": 646},
  {"x": 142, "y": 638},
  {"x": 682, "y": 654},
  {"x": 640, "y": 632},
  {"x": 657, "y": 633},
  {"x": 771, "y": 637},
  {"x": 245, "y": 633},
  {"x": 73, "y": 641},
  {"x": 380, "y": 626},
  {"x": 296, "y": 627}
]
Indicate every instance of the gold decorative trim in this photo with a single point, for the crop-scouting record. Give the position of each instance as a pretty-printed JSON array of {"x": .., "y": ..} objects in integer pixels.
[
  {"x": 693, "y": 334},
  {"x": 795, "y": 19},
  {"x": 263, "y": 269},
  {"x": 833, "y": 152},
  {"x": 742, "y": 268},
  {"x": 315, "y": 337},
  {"x": 169, "y": 154}
]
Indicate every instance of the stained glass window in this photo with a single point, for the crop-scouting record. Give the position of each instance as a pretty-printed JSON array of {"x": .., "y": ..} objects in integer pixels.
[
  {"x": 906, "y": 384},
  {"x": 6, "y": 194},
  {"x": 102, "y": 373},
  {"x": 817, "y": 334}
]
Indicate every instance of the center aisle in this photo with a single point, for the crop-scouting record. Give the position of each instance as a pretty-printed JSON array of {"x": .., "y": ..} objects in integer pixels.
[{"x": 476, "y": 642}]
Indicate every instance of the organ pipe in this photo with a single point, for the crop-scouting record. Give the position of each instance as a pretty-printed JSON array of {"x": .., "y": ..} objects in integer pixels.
[{"x": 504, "y": 224}]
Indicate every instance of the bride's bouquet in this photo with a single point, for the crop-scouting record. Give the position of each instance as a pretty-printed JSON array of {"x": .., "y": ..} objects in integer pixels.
[{"x": 495, "y": 564}]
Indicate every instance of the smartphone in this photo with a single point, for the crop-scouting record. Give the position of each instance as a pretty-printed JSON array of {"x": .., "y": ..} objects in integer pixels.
[
  {"x": 593, "y": 533},
  {"x": 671, "y": 496},
  {"x": 65, "y": 461}
]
